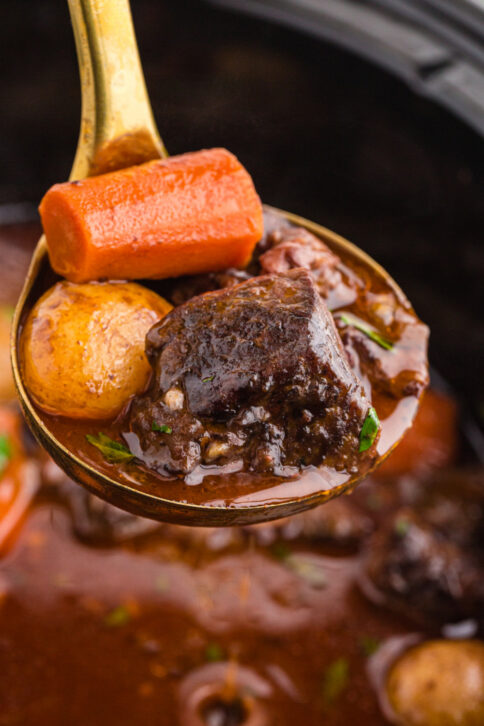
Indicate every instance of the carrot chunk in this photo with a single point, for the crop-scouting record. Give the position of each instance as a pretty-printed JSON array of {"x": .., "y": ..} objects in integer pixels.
[{"x": 198, "y": 212}]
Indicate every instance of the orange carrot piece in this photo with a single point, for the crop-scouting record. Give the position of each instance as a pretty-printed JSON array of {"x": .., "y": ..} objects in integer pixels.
[
  {"x": 19, "y": 477},
  {"x": 198, "y": 212}
]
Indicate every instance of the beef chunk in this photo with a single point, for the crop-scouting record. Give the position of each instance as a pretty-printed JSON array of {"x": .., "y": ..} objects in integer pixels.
[
  {"x": 402, "y": 370},
  {"x": 339, "y": 524},
  {"x": 291, "y": 247},
  {"x": 286, "y": 247},
  {"x": 254, "y": 376},
  {"x": 183, "y": 289},
  {"x": 98, "y": 523},
  {"x": 399, "y": 372},
  {"x": 413, "y": 567}
]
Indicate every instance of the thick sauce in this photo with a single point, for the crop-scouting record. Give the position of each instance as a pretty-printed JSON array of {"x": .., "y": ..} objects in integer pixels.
[
  {"x": 108, "y": 618},
  {"x": 133, "y": 634}
]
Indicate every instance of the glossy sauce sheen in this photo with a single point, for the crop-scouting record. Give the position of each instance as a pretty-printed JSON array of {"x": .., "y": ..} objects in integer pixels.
[
  {"x": 109, "y": 618},
  {"x": 181, "y": 596},
  {"x": 393, "y": 379}
]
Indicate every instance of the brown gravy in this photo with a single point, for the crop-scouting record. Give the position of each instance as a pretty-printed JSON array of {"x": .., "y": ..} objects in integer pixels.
[
  {"x": 108, "y": 618},
  {"x": 138, "y": 622}
]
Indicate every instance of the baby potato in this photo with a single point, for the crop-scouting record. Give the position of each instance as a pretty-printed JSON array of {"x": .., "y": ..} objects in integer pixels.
[
  {"x": 439, "y": 683},
  {"x": 83, "y": 347}
]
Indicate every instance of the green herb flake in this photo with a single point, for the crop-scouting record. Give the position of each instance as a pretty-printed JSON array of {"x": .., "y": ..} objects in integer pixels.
[
  {"x": 214, "y": 652},
  {"x": 162, "y": 428},
  {"x": 5, "y": 452},
  {"x": 117, "y": 617},
  {"x": 8, "y": 311},
  {"x": 208, "y": 379},
  {"x": 162, "y": 584},
  {"x": 369, "y": 332},
  {"x": 335, "y": 680},
  {"x": 280, "y": 550},
  {"x": 307, "y": 569},
  {"x": 113, "y": 451},
  {"x": 369, "y": 430},
  {"x": 369, "y": 645},
  {"x": 402, "y": 526}
]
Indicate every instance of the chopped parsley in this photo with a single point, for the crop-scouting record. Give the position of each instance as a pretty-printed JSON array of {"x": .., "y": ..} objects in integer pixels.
[
  {"x": 162, "y": 428},
  {"x": 402, "y": 526},
  {"x": 208, "y": 378},
  {"x": 369, "y": 644},
  {"x": 369, "y": 332},
  {"x": 119, "y": 616},
  {"x": 214, "y": 652},
  {"x": 8, "y": 311},
  {"x": 280, "y": 550},
  {"x": 5, "y": 452},
  {"x": 307, "y": 569},
  {"x": 113, "y": 451},
  {"x": 335, "y": 680},
  {"x": 369, "y": 430}
]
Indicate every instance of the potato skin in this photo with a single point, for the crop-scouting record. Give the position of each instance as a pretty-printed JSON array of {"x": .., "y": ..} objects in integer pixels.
[
  {"x": 439, "y": 683},
  {"x": 83, "y": 347}
]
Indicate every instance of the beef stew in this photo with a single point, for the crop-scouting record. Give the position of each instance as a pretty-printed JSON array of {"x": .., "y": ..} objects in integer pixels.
[
  {"x": 198, "y": 449},
  {"x": 108, "y": 617}
]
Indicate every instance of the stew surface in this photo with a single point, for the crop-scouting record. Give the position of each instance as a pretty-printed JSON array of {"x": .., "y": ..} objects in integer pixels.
[{"x": 110, "y": 618}]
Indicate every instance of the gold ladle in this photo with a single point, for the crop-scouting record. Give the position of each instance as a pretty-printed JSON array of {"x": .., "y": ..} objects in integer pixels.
[{"x": 118, "y": 130}]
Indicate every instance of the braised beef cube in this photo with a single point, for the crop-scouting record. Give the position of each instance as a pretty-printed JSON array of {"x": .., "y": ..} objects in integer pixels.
[
  {"x": 183, "y": 289},
  {"x": 453, "y": 503},
  {"x": 413, "y": 568},
  {"x": 255, "y": 373},
  {"x": 286, "y": 247},
  {"x": 400, "y": 371},
  {"x": 339, "y": 523},
  {"x": 291, "y": 247},
  {"x": 98, "y": 523}
]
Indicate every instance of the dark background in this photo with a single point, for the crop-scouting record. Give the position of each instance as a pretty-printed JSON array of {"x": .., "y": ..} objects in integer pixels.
[{"x": 323, "y": 133}]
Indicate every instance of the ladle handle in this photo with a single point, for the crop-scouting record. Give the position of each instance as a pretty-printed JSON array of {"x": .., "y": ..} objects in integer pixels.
[{"x": 117, "y": 125}]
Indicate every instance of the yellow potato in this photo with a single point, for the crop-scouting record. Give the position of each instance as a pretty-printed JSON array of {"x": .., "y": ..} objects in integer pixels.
[
  {"x": 83, "y": 347},
  {"x": 439, "y": 683}
]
